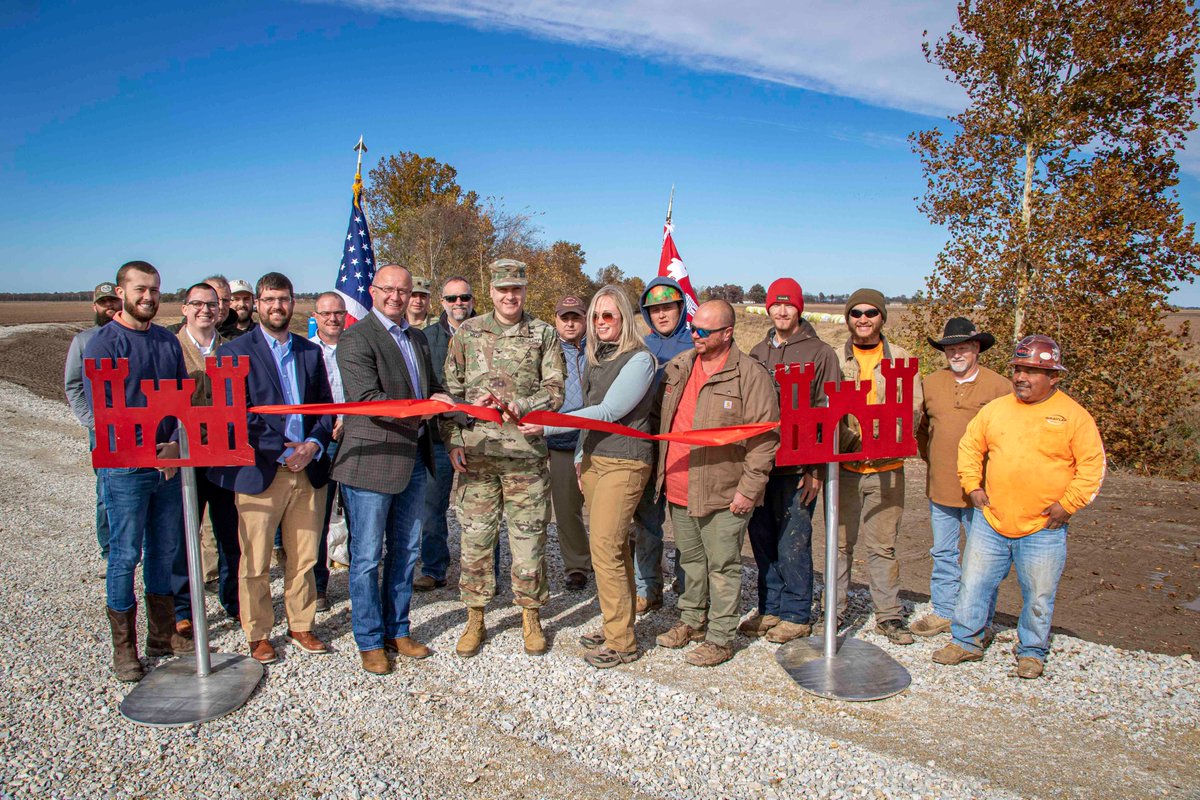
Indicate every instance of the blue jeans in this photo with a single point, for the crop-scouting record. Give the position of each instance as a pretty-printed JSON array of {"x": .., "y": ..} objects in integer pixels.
[
  {"x": 383, "y": 522},
  {"x": 1039, "y": 559},
  {"x": 943, "y": 583},
  {"x": 144, "y": 512},
  {"x": 222, "y": 513},
  {"x": 781, "y": 538},
  {"x": 648, "y": 545},
  {"x": 435, "y": 550},
  {"x": 102, "y": 533}
]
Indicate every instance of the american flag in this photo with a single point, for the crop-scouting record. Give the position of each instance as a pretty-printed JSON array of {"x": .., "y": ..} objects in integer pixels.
[{"x": 358, "y": 262}]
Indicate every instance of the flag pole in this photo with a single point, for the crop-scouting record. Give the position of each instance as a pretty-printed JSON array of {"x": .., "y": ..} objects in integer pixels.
[
  {"x": 358, "y": 184},
  {"x": 670, "y": 203}
]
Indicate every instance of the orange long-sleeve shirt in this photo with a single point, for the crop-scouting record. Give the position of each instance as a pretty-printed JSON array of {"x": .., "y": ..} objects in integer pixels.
[{"x": 1037, "y": 454}]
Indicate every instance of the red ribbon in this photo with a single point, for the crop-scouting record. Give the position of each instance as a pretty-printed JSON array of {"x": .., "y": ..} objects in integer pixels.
[{"x": 403, "y": 409}]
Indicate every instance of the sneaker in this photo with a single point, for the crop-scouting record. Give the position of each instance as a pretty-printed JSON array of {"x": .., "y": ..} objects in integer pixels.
[
  {"x": 786, "y": 631},
  {"x": 1028, "y": 667},
  {"x": 709, "y": 654},
  {"x": 954, "y": 653},
  {"x": 895, "y": 630},
  {"x": 758, "y": 624},
  {"x": 930, "y": 625},
  {"x": 679, "y": 636}
]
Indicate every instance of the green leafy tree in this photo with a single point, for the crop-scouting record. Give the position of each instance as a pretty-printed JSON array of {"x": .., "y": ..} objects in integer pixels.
[
  {"x": 757, "y": 293},
  {"x": 1056, "y": 187}
]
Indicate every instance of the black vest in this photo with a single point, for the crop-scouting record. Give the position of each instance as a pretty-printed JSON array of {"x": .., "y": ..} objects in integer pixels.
[{"x": 595, "y": 383}]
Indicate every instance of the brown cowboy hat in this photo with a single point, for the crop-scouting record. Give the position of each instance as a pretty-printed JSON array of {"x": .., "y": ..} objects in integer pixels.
[{"x": 959, "y": 330}]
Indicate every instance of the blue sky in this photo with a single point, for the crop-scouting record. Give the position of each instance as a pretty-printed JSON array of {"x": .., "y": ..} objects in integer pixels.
[{"x": 218, "y": 136}]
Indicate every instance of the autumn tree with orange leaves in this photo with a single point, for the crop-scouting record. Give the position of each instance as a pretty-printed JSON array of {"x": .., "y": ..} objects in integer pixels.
[{"x": 1057, "y": 188}]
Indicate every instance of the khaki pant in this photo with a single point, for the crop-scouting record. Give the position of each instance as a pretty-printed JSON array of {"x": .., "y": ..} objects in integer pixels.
[
  {"x": 710, "y": 553},
  {"x": 871, "y": 506},
  {"x": 208, "y": 550},
  {"x": 568, "y": 512},
  {"x": 290, "y": 501},
  {"x": 613, "y": 487}
]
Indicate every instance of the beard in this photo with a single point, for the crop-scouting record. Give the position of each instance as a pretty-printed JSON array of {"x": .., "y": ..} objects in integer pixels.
[
  {"x": 268, "y": 322},
  {"x": 959, "y": 367},
  {"x": 103, "y": 318},
  {"x": 134, "y": 311}
]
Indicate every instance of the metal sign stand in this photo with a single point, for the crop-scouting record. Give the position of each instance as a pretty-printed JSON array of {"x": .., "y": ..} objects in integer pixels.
[
  {"x": 849, "y": 668},
  {"x": 174, "y": 694}
]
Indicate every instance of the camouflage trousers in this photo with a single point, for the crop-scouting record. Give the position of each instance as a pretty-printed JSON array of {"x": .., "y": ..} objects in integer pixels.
[{"x": 521, "y": 488}]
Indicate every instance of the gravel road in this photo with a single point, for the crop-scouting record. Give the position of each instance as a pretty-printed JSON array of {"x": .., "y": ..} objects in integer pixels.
[{"x": 1101, "y": 721}]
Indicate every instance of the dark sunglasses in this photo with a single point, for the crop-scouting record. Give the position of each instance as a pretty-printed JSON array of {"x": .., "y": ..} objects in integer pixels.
[
  {"x": 454, "y": 298},
  {"x": 869, "y": 313},
  {"x": 607, "y": 316},
  {"x": 704, "y": 333}
]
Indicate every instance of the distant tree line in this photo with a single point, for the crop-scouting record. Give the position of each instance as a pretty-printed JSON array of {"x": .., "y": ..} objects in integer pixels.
[{"x": 757, "y": 293}]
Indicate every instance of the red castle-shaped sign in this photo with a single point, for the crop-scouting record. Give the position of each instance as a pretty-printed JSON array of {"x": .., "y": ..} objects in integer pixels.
[
  {"x": 807, "y": 434},
  {"x": 216, "y": 434}
]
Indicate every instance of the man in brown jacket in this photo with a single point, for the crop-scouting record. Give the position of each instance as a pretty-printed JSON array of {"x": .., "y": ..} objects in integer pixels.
[
  {"x": 871, "y": 493},
  {"x": 711, "y": 491},
  {"x": 953, "y": 396},
  {"x": 198, "y": 337},
  {"x": 781, "y": 528}
]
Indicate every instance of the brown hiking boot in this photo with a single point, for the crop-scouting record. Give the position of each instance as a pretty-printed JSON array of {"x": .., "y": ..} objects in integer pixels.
[
  {"x": 124, "y": 644},
  {"x": 474, "y": 634},
  {"x": 709, "y": 654},
  {"x": 375, "y": 662},
  {"x": 895, "y": 630},
  {"x": 758, "y": 624},
  {"x": 1028, "y": 667},
  {"x": 644, "y": 605},
  {"x": 162, "y": 636},
  {"x": 786, "y": 631},
  {"x": 679, "y": 636},
  {"x": 930, "y": 625},
  {"x": 531, "y": 629},
  {"x": 954, "y": 653},
  {"x": 407, "y": 646}
]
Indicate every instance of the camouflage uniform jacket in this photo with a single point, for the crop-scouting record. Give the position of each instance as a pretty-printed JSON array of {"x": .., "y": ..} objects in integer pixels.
[{"x": 521, "y": 364}]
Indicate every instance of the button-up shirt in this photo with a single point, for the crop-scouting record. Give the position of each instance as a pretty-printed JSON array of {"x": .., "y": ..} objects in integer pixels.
[
  {"x": 328, "y": 352},
  {"x": 399, "y": 333},
  {"x": 285, "y": 364}
]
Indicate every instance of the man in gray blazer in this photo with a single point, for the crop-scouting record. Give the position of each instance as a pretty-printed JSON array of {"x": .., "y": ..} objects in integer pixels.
[{"x": 382, "y": 357}]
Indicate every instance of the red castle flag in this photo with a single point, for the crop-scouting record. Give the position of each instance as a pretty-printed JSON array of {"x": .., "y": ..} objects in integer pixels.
[{"x": 670, "y": 265}]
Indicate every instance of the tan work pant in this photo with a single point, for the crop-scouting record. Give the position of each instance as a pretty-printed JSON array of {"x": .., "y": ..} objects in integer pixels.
[
  {"x": 568, "y": 512},
  {"x": 290, "y": 501},
  {"x": 871, "y": 506},
  {"x": 613, "y": 487}
]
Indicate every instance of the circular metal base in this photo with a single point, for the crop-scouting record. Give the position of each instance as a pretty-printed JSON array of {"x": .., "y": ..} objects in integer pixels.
[
  {"x": 172, "y": 694},
  {"x": 858, "y": 671}
]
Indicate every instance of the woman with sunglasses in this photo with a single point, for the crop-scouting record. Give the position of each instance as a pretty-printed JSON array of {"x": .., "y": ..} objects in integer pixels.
[{"x": 618, "y": 386}]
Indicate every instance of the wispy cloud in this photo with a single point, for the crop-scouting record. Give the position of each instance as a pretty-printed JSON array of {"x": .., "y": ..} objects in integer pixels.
[
  {"x": 864, "y": 49},
  {"x": 868, "y": 50}
]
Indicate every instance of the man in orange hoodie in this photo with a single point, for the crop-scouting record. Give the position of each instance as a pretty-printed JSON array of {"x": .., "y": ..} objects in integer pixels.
[{"x": 1045, "y": 461}]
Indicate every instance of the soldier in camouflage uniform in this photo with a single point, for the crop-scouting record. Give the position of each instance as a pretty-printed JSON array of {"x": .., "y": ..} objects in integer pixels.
[{"x": 510, "y": 361}]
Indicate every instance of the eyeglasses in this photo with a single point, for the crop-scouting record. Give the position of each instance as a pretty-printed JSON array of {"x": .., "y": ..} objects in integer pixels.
[
  {"x": 606, "y": 316},
  {"x": 275, "y": 301},
  {"x": 454, "y": 298},
  {"x": 704, "y": 333},
  {"x": 199, "y": 304},
  {"x": 328, "y": 314},
  {"x": 869, "y": 313},
  {"x": 390, "y": 290}
]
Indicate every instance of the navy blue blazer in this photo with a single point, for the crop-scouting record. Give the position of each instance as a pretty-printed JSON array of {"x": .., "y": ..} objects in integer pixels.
[{"x": 266, "y": 430}]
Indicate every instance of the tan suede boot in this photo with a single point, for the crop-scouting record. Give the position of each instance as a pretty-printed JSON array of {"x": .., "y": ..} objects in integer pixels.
[
  {"x": 162, "y": 638},
  {"x": 531, "y": 628},
  {"x": 124, "y": 645},
  {"x": 474, "y": 635}
]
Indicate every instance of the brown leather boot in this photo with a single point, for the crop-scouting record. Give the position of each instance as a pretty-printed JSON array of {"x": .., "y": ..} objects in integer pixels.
[
  {"x": 162, "y": 638},
  {"x": 531, "y": 629},
  {"x": 124, "y": 645},
  {"x": 473, "y": 636}
]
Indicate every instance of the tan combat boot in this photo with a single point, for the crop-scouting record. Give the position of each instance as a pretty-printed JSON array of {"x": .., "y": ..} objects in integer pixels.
[
  {"x": 531, "y": 628},
  {"x": 473, "y": 636}
]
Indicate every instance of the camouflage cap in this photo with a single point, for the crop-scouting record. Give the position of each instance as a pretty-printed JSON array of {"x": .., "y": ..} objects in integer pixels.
[
  {"x": 508, "y": 272},
  {"x": 661, "y": 294},
  {"x": 421, "y": 286},
  {"x": 104, "y": 290}
]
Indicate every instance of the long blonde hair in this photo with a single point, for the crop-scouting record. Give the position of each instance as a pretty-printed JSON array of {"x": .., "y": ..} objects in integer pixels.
[{"x": 629, "y": 337}]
